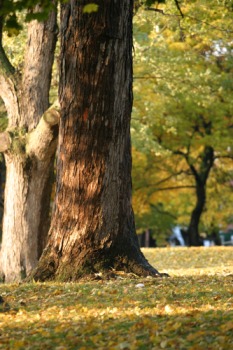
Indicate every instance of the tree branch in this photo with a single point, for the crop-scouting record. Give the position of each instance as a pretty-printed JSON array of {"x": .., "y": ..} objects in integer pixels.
[
  {"x": 161, "y": 181},
  {"x": 8, "y": 90},
  {"x": 163, "y": 212},
  {"x": 5, "y": 66},
  {"x": 43, "y": 139},
  {"x": 178, "y": 7},
  {"x": 155, "y": 10},
  {"x": 224, "y": 156},
  {"x": 168, "y": 178},
  {"x": 147, "y": 77},
  {"x": 174, "y": 188},
  {"x": 191, "y": 17}
]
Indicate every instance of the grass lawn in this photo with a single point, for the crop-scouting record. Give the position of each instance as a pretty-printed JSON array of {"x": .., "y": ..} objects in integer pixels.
[{"x": 193, "y": 309}]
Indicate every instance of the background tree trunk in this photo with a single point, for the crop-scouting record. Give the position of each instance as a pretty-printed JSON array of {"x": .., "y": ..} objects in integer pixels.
[
  {"x": 201, "y": 177},
  {"x": 30, "y": 154},
  {"x": 93, "y": 225},
  {"x": 193, "y": 229}
]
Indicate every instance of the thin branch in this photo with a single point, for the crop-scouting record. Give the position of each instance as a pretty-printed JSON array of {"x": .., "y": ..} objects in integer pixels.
[
  {"x": 180, "y": 153},
  {"x": 171, "y": 188},
  {"x": 147, "y": 77},
  {"x": 163, "y": 212},
  {"x": 5, "y": 67},
  {"x": 167, "y": 178},
  {"x": 161, "y": 181},
  {"x": 209, "y": 24},
  {"x": 154, "y": 9},
  {"x": 174, "y": 188},
  {"x": 187, "y": 16},
  {"x": 178, "y": 7}
]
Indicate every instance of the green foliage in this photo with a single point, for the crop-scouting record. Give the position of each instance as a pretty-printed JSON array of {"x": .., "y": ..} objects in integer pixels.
[
  {"x": 9, "y": 6},
  {"x": 190, "y": 310},
  {"x": 12, "y": 25},
  {"x": 9, "y": 10},
  {"x": 33, "y": 9},
  {"x": 183, "y": 102}
]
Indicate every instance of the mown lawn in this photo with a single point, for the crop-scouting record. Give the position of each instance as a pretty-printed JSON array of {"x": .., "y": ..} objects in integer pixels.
[{"x": 193, "y": 309}]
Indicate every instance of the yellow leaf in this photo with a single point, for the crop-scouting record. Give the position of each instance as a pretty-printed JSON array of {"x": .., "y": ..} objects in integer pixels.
[
  {"x": 89, "y": 8},
  {"x": 18, "y": 344},
  {"x": 163, "y": 344},
  {"x": 176, "y": 326},
  {"x": 195, "y": 335},
  {"x": 227, "y": 326},
  {"x": 168, "y": 309}
]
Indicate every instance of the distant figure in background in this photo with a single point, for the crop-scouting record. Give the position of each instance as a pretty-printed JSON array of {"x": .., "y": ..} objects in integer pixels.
[{"x": 177, "y": 236}]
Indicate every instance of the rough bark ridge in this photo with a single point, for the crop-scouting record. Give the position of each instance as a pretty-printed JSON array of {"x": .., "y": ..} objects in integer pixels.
[
  {"x": 93, "y": 225},
  {"x": 29, "y": 145}
]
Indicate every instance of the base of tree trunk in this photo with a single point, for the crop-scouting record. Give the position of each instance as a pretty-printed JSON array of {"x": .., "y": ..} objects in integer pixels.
[{"x": 90, "y": 264}]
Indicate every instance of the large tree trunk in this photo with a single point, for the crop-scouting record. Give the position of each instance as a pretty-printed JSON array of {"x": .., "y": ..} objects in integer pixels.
[
  {"x": 29, "y": 148},
  {"x": 93, "y": 226}
]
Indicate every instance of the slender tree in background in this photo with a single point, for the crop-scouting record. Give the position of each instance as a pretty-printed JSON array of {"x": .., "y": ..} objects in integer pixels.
[
  {"x": 93, "y": 225},
  {"x": 29, "y": 145},
  {"x": 183, "y": 104}
]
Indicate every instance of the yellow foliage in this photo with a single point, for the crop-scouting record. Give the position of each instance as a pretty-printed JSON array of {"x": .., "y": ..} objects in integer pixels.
[{"x": 179, "y": 46}]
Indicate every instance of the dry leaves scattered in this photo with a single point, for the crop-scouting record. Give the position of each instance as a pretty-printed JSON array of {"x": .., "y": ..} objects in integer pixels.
[{"x": 193, "y": 309}]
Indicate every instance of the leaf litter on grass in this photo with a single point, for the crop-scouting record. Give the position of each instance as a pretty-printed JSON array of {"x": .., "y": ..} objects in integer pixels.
[{"x": 193, "y": 309}]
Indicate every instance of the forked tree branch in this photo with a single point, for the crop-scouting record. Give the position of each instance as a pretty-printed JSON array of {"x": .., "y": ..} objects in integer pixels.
[{"x": 43, "y": 139}]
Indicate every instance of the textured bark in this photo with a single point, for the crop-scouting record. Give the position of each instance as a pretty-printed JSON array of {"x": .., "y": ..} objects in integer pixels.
[
  {"x": 93, "y": 225},
  {"x": 5, "y": 141},
  {"x": 30, "y": 155},
  {"x": 25, "y": 189}
]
